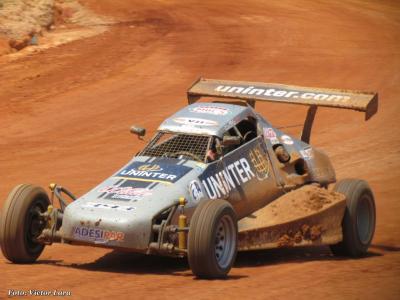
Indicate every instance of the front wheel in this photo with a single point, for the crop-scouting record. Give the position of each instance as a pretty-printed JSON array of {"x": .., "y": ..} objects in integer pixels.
[
  {"x": 21, "y": 223},
  {"x": 358, "y": 225},
  {"x": 212, "y": 239}
]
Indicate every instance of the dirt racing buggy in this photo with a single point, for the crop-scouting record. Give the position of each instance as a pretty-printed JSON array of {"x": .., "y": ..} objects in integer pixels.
[{"x": 214, "y": 179}]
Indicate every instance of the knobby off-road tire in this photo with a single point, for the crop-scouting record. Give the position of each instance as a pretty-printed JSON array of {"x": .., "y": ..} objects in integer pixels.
[
  {"x": 358, "y": 225},
  {"x": 20, "y": 223},
  {"x": 212, "y": 241}
]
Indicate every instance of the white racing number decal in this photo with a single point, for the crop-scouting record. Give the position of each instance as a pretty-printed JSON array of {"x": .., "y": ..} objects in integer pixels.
[
  {"x": 195, "y": 121},
  {"x": 211, "y": 110},
  {"x": 108, "y": 206},
  {"x": 221, "y": 183},
  {"x": 287, "y": 140}
]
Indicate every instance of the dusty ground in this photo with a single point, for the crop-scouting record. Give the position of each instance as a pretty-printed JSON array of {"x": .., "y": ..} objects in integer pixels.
[{"x": 65, "y": 115}]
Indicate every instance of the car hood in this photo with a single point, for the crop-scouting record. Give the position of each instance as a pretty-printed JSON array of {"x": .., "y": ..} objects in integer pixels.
[{"x": 126, "y": 202}]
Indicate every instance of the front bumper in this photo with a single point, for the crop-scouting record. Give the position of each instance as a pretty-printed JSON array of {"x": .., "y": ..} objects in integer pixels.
[{"x": 106, "y": 226}]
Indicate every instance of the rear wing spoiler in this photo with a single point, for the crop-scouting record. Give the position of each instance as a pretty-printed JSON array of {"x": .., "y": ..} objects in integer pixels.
[{"x": 280, "y": 93}]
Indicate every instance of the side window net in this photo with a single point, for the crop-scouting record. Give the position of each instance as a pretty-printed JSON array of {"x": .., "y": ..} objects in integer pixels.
[{"x": 175, "y": 145}]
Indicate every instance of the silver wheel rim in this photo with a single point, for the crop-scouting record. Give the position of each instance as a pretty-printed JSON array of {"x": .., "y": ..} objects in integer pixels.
[
  {"x": 225, "y": 241},
  {"x": 364, "y": 220}
]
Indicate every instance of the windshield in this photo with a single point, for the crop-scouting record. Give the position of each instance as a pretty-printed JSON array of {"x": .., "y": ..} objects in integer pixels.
[{"x": 178, "y": 145}]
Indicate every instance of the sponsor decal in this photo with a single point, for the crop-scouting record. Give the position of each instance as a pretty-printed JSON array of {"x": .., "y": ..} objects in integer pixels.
[
  {"x": 211, "y": 110},
  {"x": 195, "y": 121},
  {"x": 195, "y": 190},
  {"x": 108, "y": 206},
  {"x": 97, "y": 234},
  {"x": 287, "y": 140},
  {"x": 223, "y": 182},
  {"x": 154, "y": 168},
  {"x": 270, "y": 134},
  {"x": 157, "y": 172},
  {"x": 260, "y": 163},
  {"x": 124, "y": 192},
  {"x": 282, "y": 93},
  {"x": 307, "y": 153}
]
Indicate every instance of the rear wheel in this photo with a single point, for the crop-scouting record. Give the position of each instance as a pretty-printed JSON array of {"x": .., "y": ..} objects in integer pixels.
[
  {"x": 212, "y": 239},
  {"x": 21, "y": 224},
  {"x": 358, "y": 224}
]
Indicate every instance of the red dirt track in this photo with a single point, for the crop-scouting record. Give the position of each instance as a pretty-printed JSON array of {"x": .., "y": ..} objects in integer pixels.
[{"x": 65, "y": 115}]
